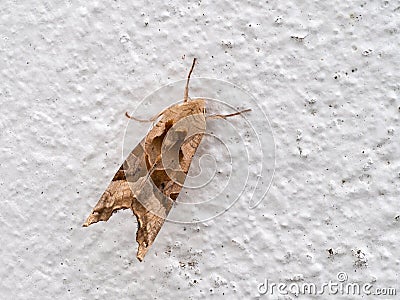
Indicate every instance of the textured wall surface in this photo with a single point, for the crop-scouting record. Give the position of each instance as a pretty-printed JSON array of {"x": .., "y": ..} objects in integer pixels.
[{"x": 326, "y": 73}]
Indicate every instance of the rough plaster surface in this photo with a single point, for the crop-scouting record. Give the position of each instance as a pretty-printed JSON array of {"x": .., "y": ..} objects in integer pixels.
[{"x": 70, "y": 70}]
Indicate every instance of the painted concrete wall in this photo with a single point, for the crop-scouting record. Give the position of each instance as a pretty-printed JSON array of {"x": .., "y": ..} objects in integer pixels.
[{"x": 325, "y": 72}]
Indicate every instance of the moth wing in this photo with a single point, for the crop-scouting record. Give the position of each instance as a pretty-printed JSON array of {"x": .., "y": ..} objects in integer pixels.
[{"x": 132, "y": 188}]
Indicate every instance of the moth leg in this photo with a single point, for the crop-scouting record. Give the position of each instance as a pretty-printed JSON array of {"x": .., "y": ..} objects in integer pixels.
[
  {"x": 149, "y": 120},
  {"x": 218, "y": 116},
  {"x": 186, "y": 94}
]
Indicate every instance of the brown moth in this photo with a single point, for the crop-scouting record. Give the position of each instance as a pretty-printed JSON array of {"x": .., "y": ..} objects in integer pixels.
[{"x": 152, "y": 176}]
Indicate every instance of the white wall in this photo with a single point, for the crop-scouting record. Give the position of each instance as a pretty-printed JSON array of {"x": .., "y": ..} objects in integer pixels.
[{"x": 69, "y": 71}]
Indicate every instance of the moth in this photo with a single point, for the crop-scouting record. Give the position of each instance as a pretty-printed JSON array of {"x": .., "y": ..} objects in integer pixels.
[{"x": 152, "y": 176}]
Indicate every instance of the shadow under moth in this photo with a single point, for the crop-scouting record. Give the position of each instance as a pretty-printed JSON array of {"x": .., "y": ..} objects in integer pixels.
[{"x": 152, "y": 176}]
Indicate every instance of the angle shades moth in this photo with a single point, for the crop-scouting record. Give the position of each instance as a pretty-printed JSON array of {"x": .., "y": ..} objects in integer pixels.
[{"x": 152, "y": 176}]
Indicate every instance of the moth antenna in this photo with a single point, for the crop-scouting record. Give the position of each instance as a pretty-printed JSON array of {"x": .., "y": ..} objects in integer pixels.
[
  {"x": 229, "y": 115},
  {"x": 186, "y": 94}
]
